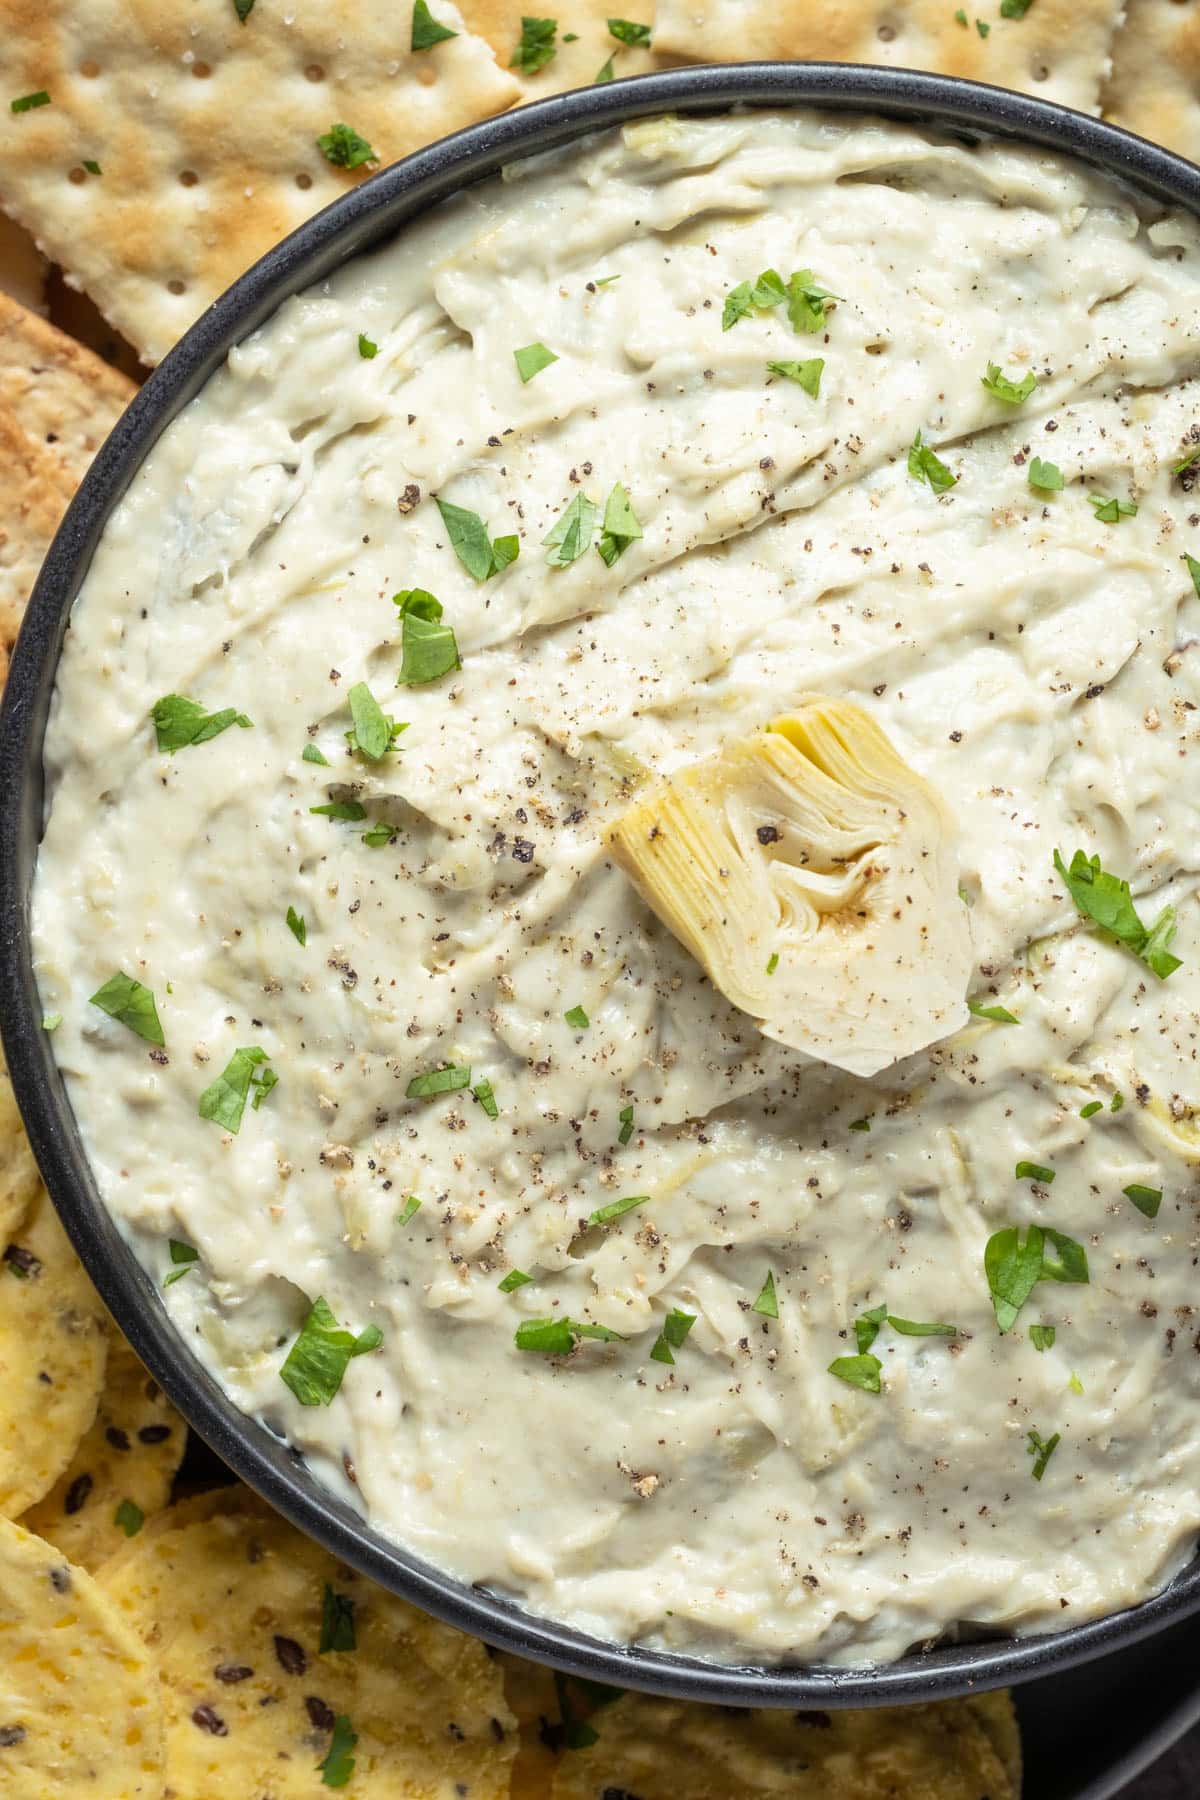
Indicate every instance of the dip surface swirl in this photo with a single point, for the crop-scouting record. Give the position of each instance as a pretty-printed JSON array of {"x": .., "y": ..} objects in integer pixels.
[{"x": 1031, "y": 651}]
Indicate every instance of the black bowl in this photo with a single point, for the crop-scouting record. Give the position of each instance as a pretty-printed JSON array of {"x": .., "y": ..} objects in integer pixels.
[{"x": 353, "y": 223}]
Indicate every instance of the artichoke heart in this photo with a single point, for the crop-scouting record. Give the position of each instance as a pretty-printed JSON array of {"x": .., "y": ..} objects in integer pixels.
[{"x": 811, "y": 873}]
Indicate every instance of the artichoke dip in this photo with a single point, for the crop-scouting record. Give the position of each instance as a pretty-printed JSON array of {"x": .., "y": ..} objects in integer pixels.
[{"x": 618, "y": 896}]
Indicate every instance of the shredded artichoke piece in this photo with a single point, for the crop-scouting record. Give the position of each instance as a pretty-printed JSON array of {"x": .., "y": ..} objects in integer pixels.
[{"x": 811, "y": 873}]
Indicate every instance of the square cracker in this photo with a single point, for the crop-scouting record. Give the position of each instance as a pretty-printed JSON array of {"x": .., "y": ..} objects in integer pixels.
[
  {"x": 1058, "y": 51},
  {"x": 1154, "y": 88},
  {"x": 575, "y": 64},
  {"x": 22, "y": 266},
  {"x": 205, "y": 132}
]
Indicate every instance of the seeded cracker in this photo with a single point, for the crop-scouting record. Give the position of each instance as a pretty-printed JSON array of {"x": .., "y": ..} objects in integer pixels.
[
  {"x": 121, "y": 1473},
  {"x": 79, "y": 1710},
  {"x": 204, "y": 130},
  {"x": 53, "y": 1346},
  {"x": 1059, "y": 50},
  {"x": 666, "y": 1750},
  {"x": 233, "y": 1607}
]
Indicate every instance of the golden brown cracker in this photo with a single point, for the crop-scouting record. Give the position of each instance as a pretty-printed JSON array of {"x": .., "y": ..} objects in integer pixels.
[
  {"x": 121, "y": 1474},
  {"x": 19, "y": 1180},
  {"x": 583, "y": 42},
  {"x": 205, "y": 132},
  {"x": 669, "y": 1750},
  {"x": 34, "y": 495},
  {"x": 80, "y": 1717},
  {"x": 234, "y": 1608},
  {"x": 1059, "y": 50},
  {"x": 1154, "y": 88},
  {"x": 22, "y": 266},
  {"x": 53, "y": 1347},
  {"x": 58, "y": 392},
  {"x": 531, "y": 1693}
]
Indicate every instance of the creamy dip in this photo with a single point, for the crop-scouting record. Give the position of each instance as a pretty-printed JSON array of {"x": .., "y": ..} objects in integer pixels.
[{"x": 1031, "y": 652}]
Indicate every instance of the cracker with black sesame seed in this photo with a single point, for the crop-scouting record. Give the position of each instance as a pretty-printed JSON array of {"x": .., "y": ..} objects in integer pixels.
[
  {"x": 121, "y": 1474},
  {"x": 238, "y": 1606},
  {"x": 80, "y": 1717}
]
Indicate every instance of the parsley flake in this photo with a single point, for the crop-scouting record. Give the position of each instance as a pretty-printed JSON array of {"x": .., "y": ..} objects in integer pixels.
[
  {"x": 475, "y": 550},
  {"x": 1193, "y": 570},
  {"x": 353, "y": 810},
  {"x": 536, "y": 45},
  {"x": 224, "y": 1100},
  {"x": 626, "y": 1117},
  {"x": 1109, "y": 511},
  {"x": 183, "y": 1256},
  {"x": 92, "y": 167},
  {"x": 1045, "y": 475},
  {"x": 808, "y": 374},
  {"x": 317, "y": 1362},
  {"x": 859, "y": 1125},
  {"x": 1091, "y": 1109},
  {"x": 438, "y": 1081},
  {"x": 807, "y": 304},
  {"x": 337, "y": 1622},
  {"x": 866, "y": 1327},
  {"x": 772, "y": 962},
  {"x": 1106, "y": 899},
  {"x": 485, "y": 1094},
  {"x": 913, "y": 1328},
  {"x": 1146, "y": 1199},
  {"x": 297, "y": 927},
  {"x": 342, "y": 146},
  {"x": 627, "y": 32},
  {"x": 125, "y": 999},
  {"x": 577, "y": 1019},
  {"x": 767, "y": 1304},
  {"x": 558, "y": 1337},
  {"x": 999, "y": 1015},
  {"x": 675, "y": 1328},
  {"x": 27, "y": 102},
  {"x": 1002, "y": 387},
  {"x": 337, "y": 1765},
  {"x": 366, "y": 348},
  {"x": 572, "y": 532},
  {"x": 606, "y": 72},
  {"x": 858, "y": 1371},
  {"x": 531, "y": 359},
  {"x": 412, "y": 1207},
  {"x": 620, "y": 526},
  {"x": 516, "y": 1278},
  {"x": 1031, "y": 1171},
  {"x": 1014, "y": 9},
  {"x": 1042, "y": 1336},
  {"x": 51, "y": 1021},
  {"x": 604, "y": 1215},
  {"x": 426, "y": 32},
  {"x": 179, "y": 722},
  {"x": 430, "y": 648},
  {"x": 129, "y": 1518},
  {"x": 1041, "y": 1449},
  {"x": 923, "y": 465},
  {"x": 243, "y": 9},
  {"x": 311, "y": 754}
]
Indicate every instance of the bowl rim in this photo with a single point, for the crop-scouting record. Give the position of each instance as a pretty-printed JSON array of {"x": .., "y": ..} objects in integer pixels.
[{"x": 355, "y": 221}]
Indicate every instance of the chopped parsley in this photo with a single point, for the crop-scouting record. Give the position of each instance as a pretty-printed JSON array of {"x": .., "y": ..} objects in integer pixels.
[
  {"x": 532, "y": 359},
  {"x": 1002, "y": 387},
  {"x": 1041, "y": 1449},
  {"x": 374, "y": 733},
  {"x": 27, "y": 102},
  {"x": 1091, "y": 1109},
  {"x": 342, "y": 146},
  {"x": 438, "y": 1081},
  {"x": 772, "y": 962},
  {"x": 1116, "y": 1103},
  {"x": 367, "y": 349},
  {"x": 479, "y": 555},
  {"x": 1014, "y": 1264},
  {"x": 179, "y": 722},
  {"x": 923, "y": 465},
  {"x": 311, "y": 754},
  {"x": 675, "y": 1328},
  {"x": 626, "y": 1117},
  {"x": 912, "y": 1328},
  {"x": 535, "y": 46},
  {"x": 808, "y": 374},
  {"x": 92, "y": 167},
  {"x": 337, "y": 1765},
  {"x": 224, "y": 1100},
  {"x": 577, "y": 1019},
  {"x": 858, "y": 1371},
  {"x": 1031, "y": 1171},
  {"x": 297, "y": 927},
  {"x": 807, "y": 304},
  {"x": 129, "y": 1518},
  {"x": 1108, "y": 511},
  {"x": 412, "y": 1207},
  {"x": 767, "y": 1304},
  {"x": 426, "y": 32},
  {"x": 243, "y": 9},
  {"x": 516, "y": 1278},
  {"x": 430, "y": 648},
  {"x": 620, "y": 526},
  {"x": 982, "y": 27},
  {"x": 1146, "y": 1199},
  {"x": 572, "y": 532},
  {"x": 627, "y": 32},
  {"x": 1193, "y": 570},
  {"x": 1106, "y": 899},
  {"x": 51, "y": 1021},
  {"x": 317, "y": 1362},
  {"x": 859, "y": 1125},
  {"x": 603, "y": 1215},
  {"x": 606, "y": 72},
  {"x": 999, "y": 1015},
  {"x": 379, "y": 835},
  {"x": 1045, "y": 475},
  {"x": 182, "y": 1257},
  {"x": 485, "y": 1094},
  {"x": 558, "y": 1337},
  {"x": 337, "y": 1622},
  {"x": 125, "y": 999},
  {"x": 1014, "y": 9},
  {"x": 866, "y": 1327},
  {"x": 1042, "y": 1336},
  {"x": 353, "y": 810}
]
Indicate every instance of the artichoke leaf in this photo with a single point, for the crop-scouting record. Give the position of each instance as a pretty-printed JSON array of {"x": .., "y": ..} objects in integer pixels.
[{"x": 812, "y": 875}]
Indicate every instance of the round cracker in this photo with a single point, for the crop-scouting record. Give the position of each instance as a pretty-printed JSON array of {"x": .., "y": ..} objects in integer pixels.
[
  {"x": 531, "y": 1692},
  {"x": 53, "y": 1346},
  {"x": 666, "y": 1750},
  {"x": 195, "y": 1509},
  {"x": 130, "y": 1454},
  {"x": 233, "y": 1608},
  {"x": 998, "y": 1716},
  {"x": 19, "y": 1179},
  {"x": 79, "y": 1706}
]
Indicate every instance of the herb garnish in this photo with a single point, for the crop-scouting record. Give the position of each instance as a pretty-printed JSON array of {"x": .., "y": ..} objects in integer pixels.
[
  {"x": 51, "y": 1021},
  {"x": 1014, "y": 1265},
  {"x": 577, "y": 1019},
  {"x": 606, "y": 72},
  {"x": 1106, "y": 899},
  {"x": 297, "y": 926},
  {"x": 923, "y": 465},
  {"x": 1031, "y": 1171},
  {"x": 557, "y": 1337},
  {"x": 1014, "y": 9},
  {"x": 129, "y": 1517},
  {"x": 125, "y": 999},
  {"x": 772, "y": 962},
  {"x": 374, "y": 733},
  {"x": 1045, "y": 475},
  {"x": 536, "y": 45},
  {"x": 1090, "y": 1110},
  {"x": 859, "y": 1125},
  {"x": 337, "y": 1622},
  {"x": 626, "y": 31},
  {"x": 337, "y": 1765},
  {"x": 866, "y": 1327},
  {"x": 532, "y": 359},
  {"x": 603, "y": 1215},
  {"x": 1146, "y": 1199},
  {"x": 1108, "y": 511},
  {"x": 675, "y": 1328},
  {"x": 626, "y": 1117},
  {"x": 808, "y": 374},
  {"x": 1042, "y": 1336},
  {"x": 426, "y": 32},
  {"x": 182, "y": 1256},
  {"x": 317, "y": 1362},
  {"x": 1041, "y": 1449},
  {"x": 485, "y": 1094},
  {"x": 341, "y": 809},
  {"x": 380, "y": 834},
  {"x": 92, "y": 167},
  {"x": 859, "y": 1371},
  {"x": 412, "y": 1207},
  {"x": 1001, "y": 387},
  {"x": 479, "y": 555},
  {"x": 516, "y": 1278},
  {"x": 243, "y": 9},
  {"x": 430, "y": 648},
  {"x": 311, "y": 754},
  {"x": 807, "y": 304},
  {"x": 367, "y": 349},
  {"x": 912, "y": 1328},
  {"x": 572, "y": 532},
  {"x": 620, "y": 526},
  {"x": 342, "y": 146},
  {"x": 179, "y": 722},
  {"x": 999, "y": 1015},
  {"x": 27, "y": 102},
  {"x": 224, "y": 1100},
  {"x": 1193, "y": 567},
  {"x": 438, "y": 1081},
  {"x": 767, "y": 1304}
]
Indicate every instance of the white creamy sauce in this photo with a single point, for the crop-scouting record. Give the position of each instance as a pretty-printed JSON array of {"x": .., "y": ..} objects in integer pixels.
[{"x": 1037, "y": 665}]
